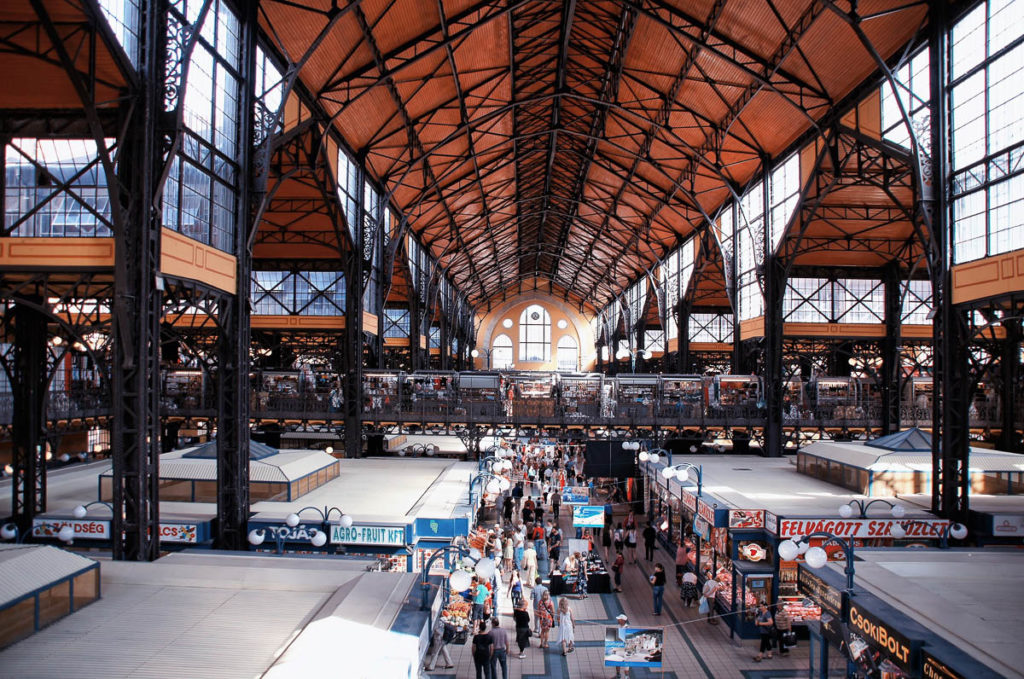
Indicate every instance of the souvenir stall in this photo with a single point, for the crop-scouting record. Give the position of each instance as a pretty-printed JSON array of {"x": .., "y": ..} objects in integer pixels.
[
  {"x": 580, "y": 396},
  {"x": 637, "y": 396},
  {"x": 751, "y": 577},
  {"x": 381, "y": 391},
  {"x": 598, "y": 579},
  {"x": 682, "y": 397},
  {"x": 532, "y": 395},
  {"x": 430, "y": 392}
]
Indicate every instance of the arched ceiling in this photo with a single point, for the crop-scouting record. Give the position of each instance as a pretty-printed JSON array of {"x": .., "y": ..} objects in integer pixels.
[{"x": 573, "y": 140}]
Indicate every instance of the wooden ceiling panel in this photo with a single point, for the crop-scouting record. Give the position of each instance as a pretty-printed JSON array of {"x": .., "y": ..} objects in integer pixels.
[{"x": 599, "y": 159}]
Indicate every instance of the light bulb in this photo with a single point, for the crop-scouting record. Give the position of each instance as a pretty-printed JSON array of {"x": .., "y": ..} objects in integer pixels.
[
  {"x": 802, "y": 546},
  {"x": 459, "y": 580},
  {"x": 79, "y": 512},
  {"x": 816, "y": 557},
  {"x": 898, "y": 532},
  {"x": 474, "y": 554},
  {"x": 292, "y": 520},
  {"x": 346, "y": 521},
  {"x": 668, "y": 472},
  {"x": 788, "y": 550},
  {"x": 644, "y": 456},
  {"x": 958, "y": 531},
  {"x": 319, "y": 539},
  {"x": 845, "y": 511},
  {"x": 256, "y": 537},
  {"x": 693, "y": 449},
  {"x": 66, "y": 534},
  {"x": 492, "y": 486},
  {"x": 8, "y": 531},
  {"x": 654, "y": 458},
  {"x": 485, "y": 568},
  {"x": 898, "y": 511}
]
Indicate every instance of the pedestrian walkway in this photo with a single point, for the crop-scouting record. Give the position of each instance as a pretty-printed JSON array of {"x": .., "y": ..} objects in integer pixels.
[{"x": 694, "y": 649}]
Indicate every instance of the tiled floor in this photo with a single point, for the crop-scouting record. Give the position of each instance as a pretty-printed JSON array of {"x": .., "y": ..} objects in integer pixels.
[{"x": 693, "y": 648}]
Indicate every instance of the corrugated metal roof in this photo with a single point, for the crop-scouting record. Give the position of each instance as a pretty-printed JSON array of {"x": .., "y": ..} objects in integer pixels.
[
  {"x": 857, "y": 454},
  {"x": 284, "y": 467},
  {"x": 26, "y": 568}
]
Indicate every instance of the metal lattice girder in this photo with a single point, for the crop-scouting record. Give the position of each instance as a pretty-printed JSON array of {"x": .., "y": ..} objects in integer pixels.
[{"x": 573, "y": 142}]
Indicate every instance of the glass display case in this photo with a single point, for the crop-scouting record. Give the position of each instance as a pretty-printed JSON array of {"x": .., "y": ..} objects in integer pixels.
[{"x": 751, "y": 585}]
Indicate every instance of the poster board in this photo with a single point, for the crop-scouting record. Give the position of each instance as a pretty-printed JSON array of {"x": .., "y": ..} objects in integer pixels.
[{"x": 634, "y": 647}]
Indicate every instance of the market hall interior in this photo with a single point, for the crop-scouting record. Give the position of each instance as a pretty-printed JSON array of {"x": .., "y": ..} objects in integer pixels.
[{"x": 296, "y": 294}]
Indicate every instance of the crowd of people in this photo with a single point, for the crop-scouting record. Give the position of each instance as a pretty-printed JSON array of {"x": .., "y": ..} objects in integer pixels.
[{"x": 526, "y": 542}]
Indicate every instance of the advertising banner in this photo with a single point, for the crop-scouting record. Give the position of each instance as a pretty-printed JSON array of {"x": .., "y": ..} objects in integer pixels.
[
  {"x": 689, "y": 500},
  {"x": 746, "y": 518},
  {"x": 576, "y": 495},
  {"x": 590, "y": 516},
  {"x": 893, "y": 646},
  {"x": 1009, "y": 525},
  {"x": 863, "y": 528},
  {"x": 706, "y": 511},
  {"x": 771, "y": 523},
  {"x": 389, "y": 536},
  {"x": 633, "y": 647},
  {"x": 936, "y": 669},
  {"x": 84, "y": 528}
]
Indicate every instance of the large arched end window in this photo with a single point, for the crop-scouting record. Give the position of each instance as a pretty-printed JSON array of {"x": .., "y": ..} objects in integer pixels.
[
  {"x": 501, "y": 353},
  {"x": 568, "y": 354},
  {"x": 535, "y": 335}
]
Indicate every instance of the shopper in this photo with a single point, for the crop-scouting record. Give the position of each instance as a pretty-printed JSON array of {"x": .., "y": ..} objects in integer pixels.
[
  {"x": 529, "y": 563},
  {"x": 658, "y": 585},
  {"x": 631, "y": 545},
  {"x": 622, "y": 621},
  {"x": 555, "y": 545},
  {"x": 508, "y": 551},
  {"x": 582, "y": 574},
  {"x": 566, "y": 627},
  {"x": 606, "y": 541},
  {"x": 766, "y": 627},
  {"x": 689, "y": 592},
  {"x": 439, "y": 639},
  {"x": 520, "y": 546},
  {"x": 522, "y": 620},
  {"x": 546, "y": 614},
  {"x": 556, "y": 504},
  {"x": 515, "y": 588},
  {"x": 617, "y": 567},
  {"x": 480, "y": 593},
  {"x": 539, "y": 590},
  {"x": 483, "y": 648},
  {"x": 499, "y": 649},
  {"x": 708, "y": 593},
  {"x": 619, "y": 539},
  {"x": 650, "y": 535},
  {"x": 783, "y": 628}
]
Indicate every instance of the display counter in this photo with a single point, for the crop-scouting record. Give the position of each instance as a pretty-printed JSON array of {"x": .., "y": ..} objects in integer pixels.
[{"x": 598, "y": 579}]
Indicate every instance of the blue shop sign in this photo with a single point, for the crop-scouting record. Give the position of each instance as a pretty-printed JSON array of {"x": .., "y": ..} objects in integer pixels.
[
  {"x": 301, "y": 533},
  {"x": 435, "y": 528}
]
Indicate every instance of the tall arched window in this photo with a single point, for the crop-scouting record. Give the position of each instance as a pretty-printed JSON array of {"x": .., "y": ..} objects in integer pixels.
[
  {"x": 568, "y": 354},
  {"x": 501, "y": 353},
  {"x": 535, "y": 335}
]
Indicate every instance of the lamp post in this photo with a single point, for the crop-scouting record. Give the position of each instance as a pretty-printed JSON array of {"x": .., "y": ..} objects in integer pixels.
[
  {"x": 9, "y": 531},
  {"x": 81, "y": 511},
  {"x": 682, "y": 471},
  {"x": 487, "y": 355},
  {"x": 957, "y": 531},
  {"x": 318, "y": 538},
  {"x": 494, "y": 483},
  {"x": 816, "y": 557},
  {"x": 846, "y": 511},
  {"x": 631, "y": 354}
]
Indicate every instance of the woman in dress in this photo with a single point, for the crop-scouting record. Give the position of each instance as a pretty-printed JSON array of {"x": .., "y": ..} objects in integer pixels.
[
  {"x": 529, "y": 563},
  {"x": 546, "y": 613},
  {"x": 508, "y": 548},
  {"x": 566, "y": 627},
  {"x": 522, "y": 618},
  {"x": 581, "y": 575}
]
